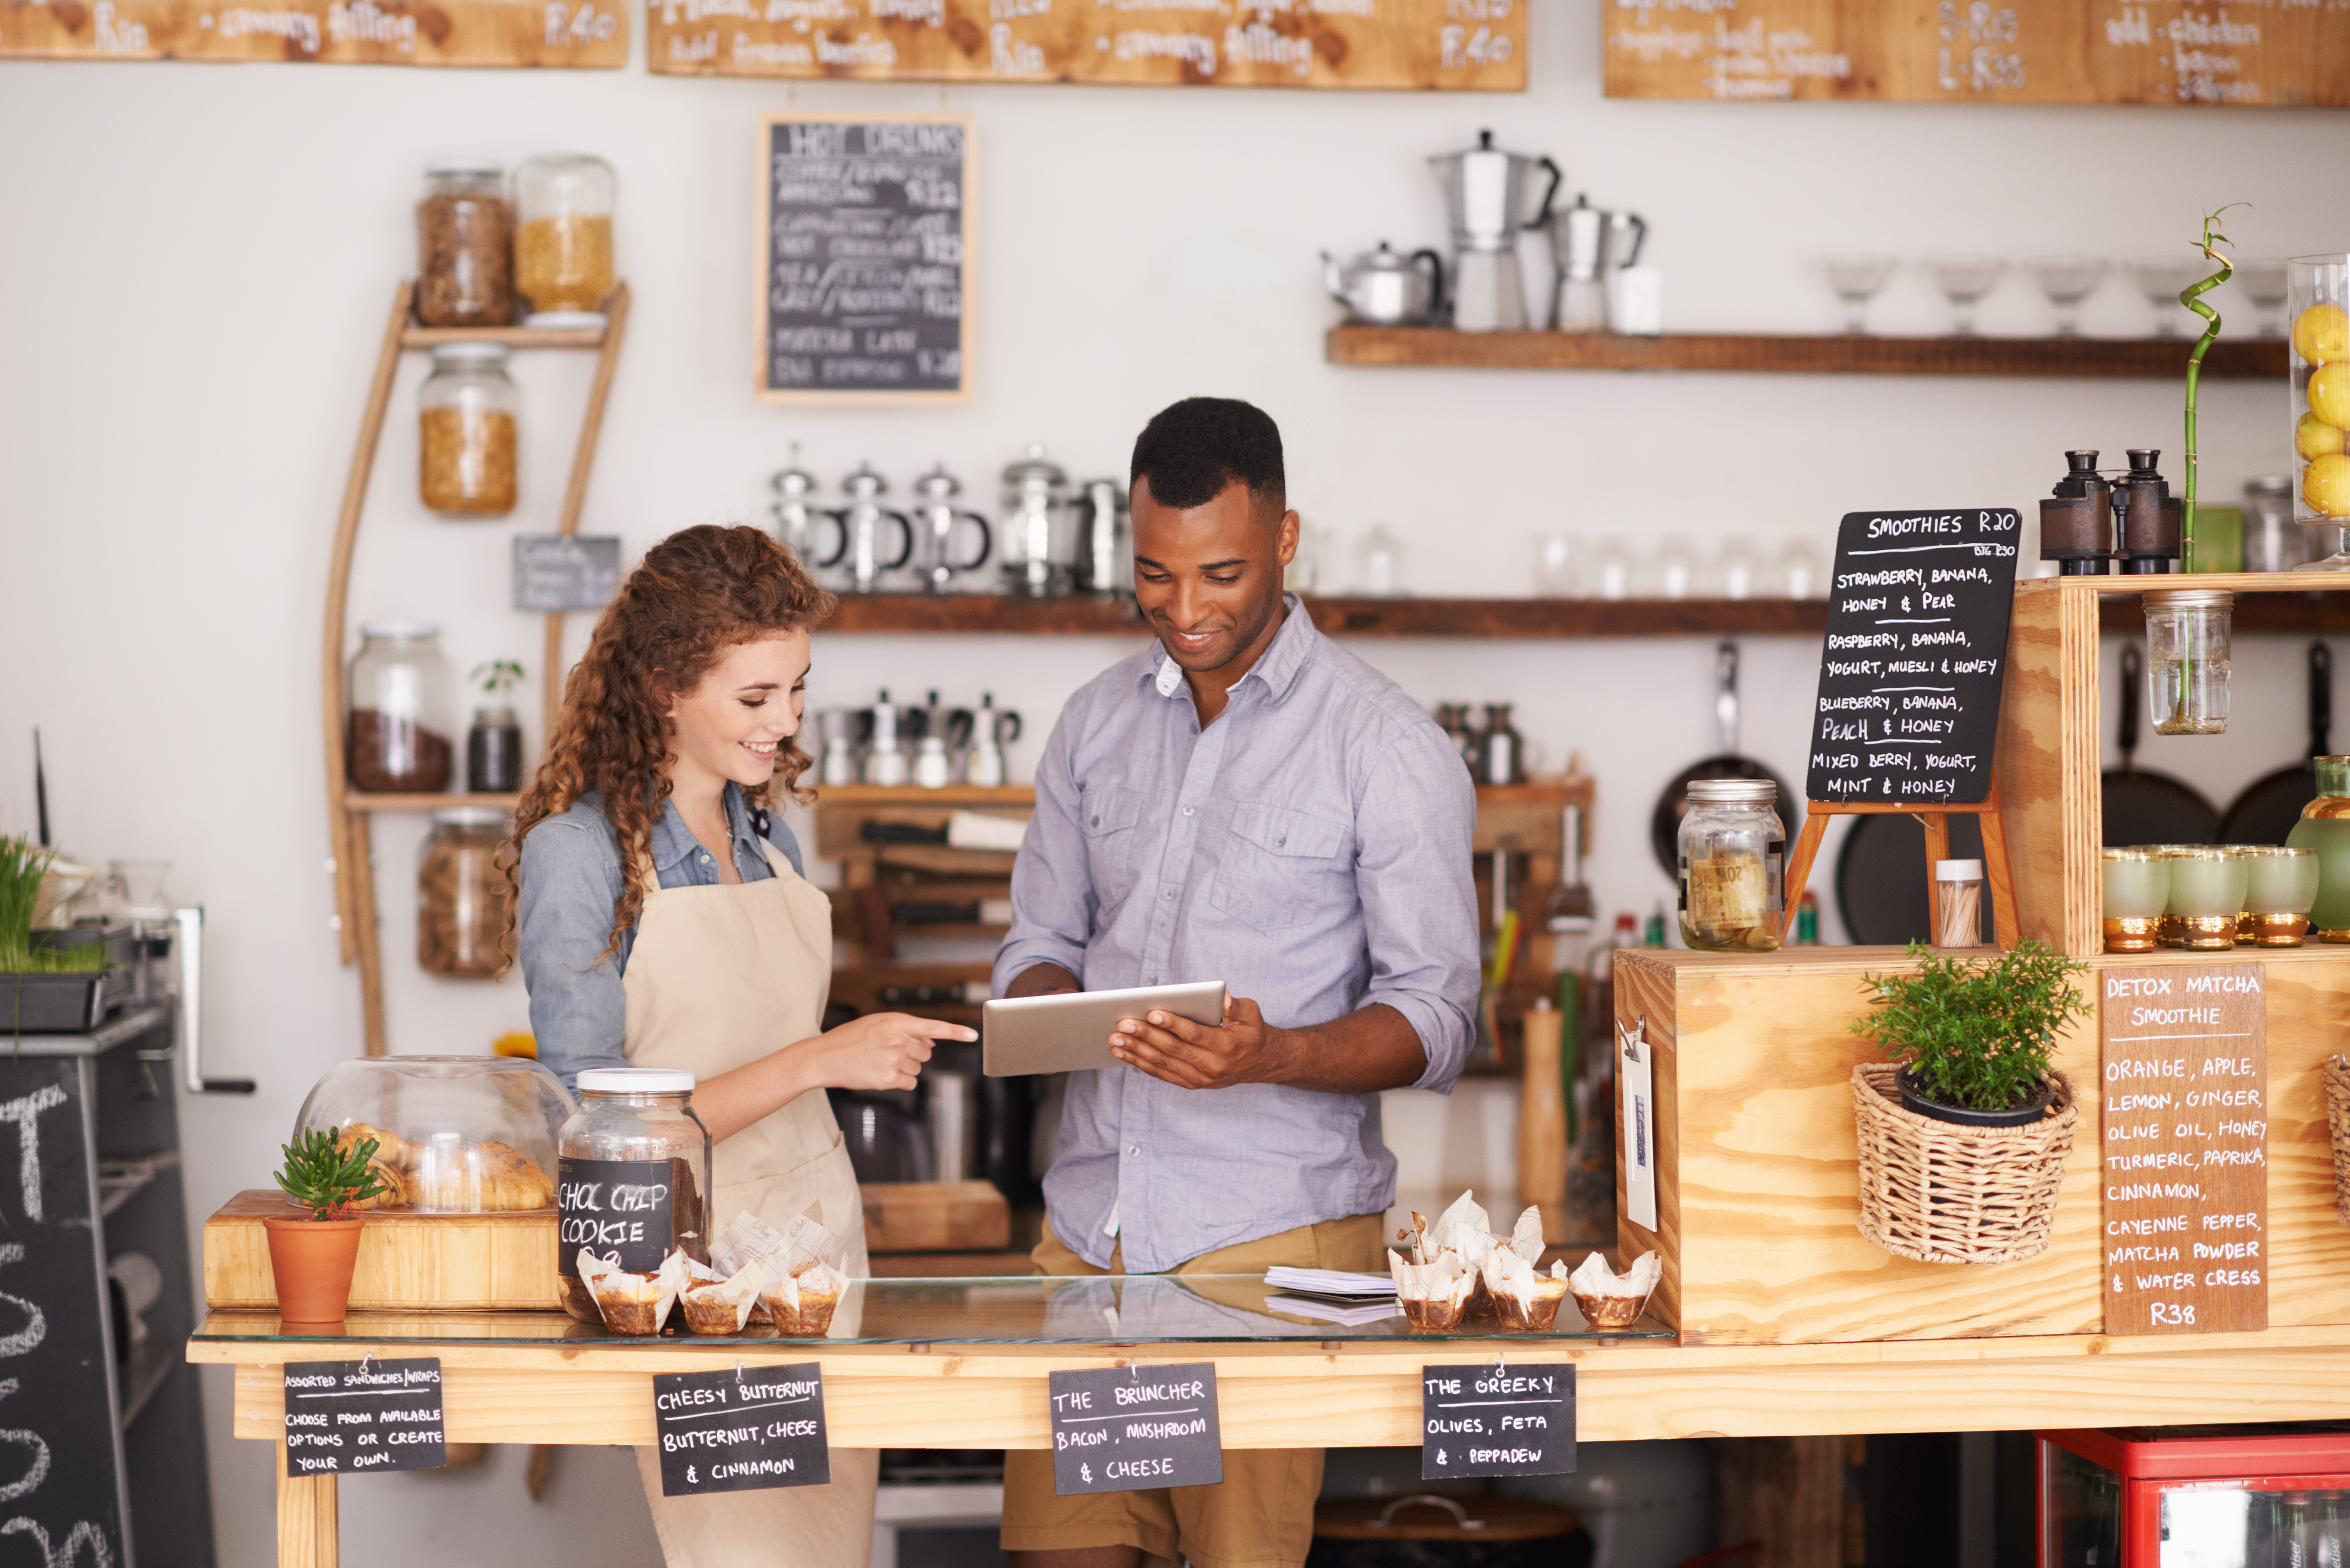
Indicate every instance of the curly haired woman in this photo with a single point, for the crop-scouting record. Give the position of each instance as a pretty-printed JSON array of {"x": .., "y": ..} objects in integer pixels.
[{"x": 664, "y": 923}]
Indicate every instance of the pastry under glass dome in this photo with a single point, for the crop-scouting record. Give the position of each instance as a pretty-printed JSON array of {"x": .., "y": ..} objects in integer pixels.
[{"x": 455, "y": 1135}]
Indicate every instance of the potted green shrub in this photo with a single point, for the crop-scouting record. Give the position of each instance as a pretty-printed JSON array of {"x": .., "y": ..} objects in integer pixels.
[
  {"x": 311, "y": 1255},
  {"x": 1963, "y": 1134}
]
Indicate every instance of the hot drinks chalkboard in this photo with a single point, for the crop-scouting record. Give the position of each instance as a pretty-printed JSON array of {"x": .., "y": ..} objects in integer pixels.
[
  {"x": 864, "y": 260},
  {"x": 1916, "y": 653}
]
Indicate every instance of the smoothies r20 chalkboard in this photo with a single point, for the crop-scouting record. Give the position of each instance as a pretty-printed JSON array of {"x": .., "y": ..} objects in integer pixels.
[{"x": 864, "y": 261}]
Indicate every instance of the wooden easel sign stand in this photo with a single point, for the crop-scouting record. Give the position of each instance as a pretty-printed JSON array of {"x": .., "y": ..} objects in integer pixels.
[{"x": 1910, "y": 678}]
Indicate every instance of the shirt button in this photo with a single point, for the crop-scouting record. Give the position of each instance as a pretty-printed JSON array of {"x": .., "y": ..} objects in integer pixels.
[
  {"x": 1188, "y": 810},
  {"x": 1093, "y": 822},
  {"x": 1170, "y": 892},
  {"x": 1280, "y": 842},
  {"x": 1132, "y": 1150},
  {"x": 705, "y": 857}
]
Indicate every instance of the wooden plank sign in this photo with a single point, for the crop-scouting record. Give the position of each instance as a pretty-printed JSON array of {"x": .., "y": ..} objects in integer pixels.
[
  {"x": 558, "y": 33},
  {"x": 1475, "y": 44},
  {"x": 864, "y": 260},
  {"x": 1916, "y": 645},
  {"x": 2184, "y": 1165},
  {"x": 2263, "y": 52}
]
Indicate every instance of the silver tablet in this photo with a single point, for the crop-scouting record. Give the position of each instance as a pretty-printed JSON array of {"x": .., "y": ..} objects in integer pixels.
[{"x": 1070, "y": 1033}]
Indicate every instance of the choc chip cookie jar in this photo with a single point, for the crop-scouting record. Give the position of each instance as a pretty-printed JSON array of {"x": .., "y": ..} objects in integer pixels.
[{"x": 633, "y": 1178}]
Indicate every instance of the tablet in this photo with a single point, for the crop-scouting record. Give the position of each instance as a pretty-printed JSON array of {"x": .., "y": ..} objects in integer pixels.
[{"x": 1070, "y": 1033}]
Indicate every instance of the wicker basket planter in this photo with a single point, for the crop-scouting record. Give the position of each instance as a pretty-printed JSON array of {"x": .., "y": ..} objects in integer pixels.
[
  {"x": 1939, "y": 1193},
  {"x": 2337, "y": 1124}
]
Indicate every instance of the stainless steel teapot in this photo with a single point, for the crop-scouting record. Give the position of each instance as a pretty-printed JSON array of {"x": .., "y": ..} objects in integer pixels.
[{"x": 1386, "y": 288}]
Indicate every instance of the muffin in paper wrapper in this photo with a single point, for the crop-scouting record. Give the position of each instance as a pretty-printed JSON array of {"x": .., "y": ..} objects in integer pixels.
[
  {"x": 1463, "y": 1233},
  {"x": 633, "y": 1304},
  {"x": 780, "y": 1254},
  {"x": 802, "y": 1304},
  {"x": 716, "y": 1306},
  {"x": 1609, "y": 1300},
  {"x": 1434, "y": 1295},
  {"x": 1525, "y": 1301}
]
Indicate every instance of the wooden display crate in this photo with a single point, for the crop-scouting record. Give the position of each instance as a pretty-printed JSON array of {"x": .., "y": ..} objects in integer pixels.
[
  {"x": 438, "y": 1262},
  {"x": 935, "y": 1217},
  {"x": 1758, "y": 1192}
]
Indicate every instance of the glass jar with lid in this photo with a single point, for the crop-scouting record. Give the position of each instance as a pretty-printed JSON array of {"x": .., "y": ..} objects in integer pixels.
[
  {"x": 467, "y": 435},
  {"x": 465, "y": 248},
  {"x": 2188, "y": 659},
  {"x": 461, "y": 1134},
  {"x": 563, "y": 237},
  {"x": 460, "y": 894},
  {"x": 398, "y": 720},
  {"x": 633, "y": 1175},
  {"x": 1037, "y": 538},
  {"x": 1732, "y": 851}
]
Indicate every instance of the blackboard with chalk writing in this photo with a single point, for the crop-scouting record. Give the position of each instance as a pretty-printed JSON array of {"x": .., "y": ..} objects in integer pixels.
[
  {"x": 1916, "y": 652},
  {"x": 864, "y": 260}
]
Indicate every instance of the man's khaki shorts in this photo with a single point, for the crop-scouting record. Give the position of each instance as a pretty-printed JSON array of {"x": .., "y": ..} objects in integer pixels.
[{"x": 1261, "y": 1516}]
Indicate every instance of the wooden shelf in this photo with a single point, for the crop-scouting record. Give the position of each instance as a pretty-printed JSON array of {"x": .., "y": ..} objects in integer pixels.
[
  {"x": 1349, "y": 617},
  {"x": 2241, "y": 359},
  {"x": 355, "y": 800},
  {"x": 512, "y": 337},
  {"x": 2289, "y": 612}
]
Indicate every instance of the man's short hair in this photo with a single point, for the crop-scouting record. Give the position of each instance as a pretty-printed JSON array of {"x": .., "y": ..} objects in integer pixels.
[{"x": 1191, "y": 451}]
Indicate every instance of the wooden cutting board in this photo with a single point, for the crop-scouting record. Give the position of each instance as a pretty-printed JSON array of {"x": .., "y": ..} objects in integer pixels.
[
  {"x": 935, "y": 1217},
  {"x": 444, "y": 1262}
]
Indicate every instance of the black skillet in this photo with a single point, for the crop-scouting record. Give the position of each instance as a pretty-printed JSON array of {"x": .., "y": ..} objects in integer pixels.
[
  {"x": 2268, "y": 808},
  {"x": 1665, "y": 821},
  {"x": 2142, "y": 807}
]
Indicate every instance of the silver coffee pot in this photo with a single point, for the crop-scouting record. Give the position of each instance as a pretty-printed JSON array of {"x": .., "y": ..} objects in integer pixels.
[
  {"x": 1036, "y": 532},
  {"x": 1485, "y": 191},
  {"x": 1104, "y": 540},
  {"x": 1587, "y": 245},
  {"x": 862, "y": 523},
  {"x": 800, "y": 521},
  {"x": 937, "y": 520},
  {"x": 992, "y": 731},
  {"x": 1386, "y": 288}
]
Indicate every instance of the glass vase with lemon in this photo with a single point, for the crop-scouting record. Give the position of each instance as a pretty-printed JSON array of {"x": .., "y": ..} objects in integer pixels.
[{"x": 2318, "y": 299}]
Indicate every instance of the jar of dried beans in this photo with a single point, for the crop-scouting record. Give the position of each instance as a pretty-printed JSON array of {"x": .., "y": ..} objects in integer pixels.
[
  {"x": 632, "y": 1177},
  {"x": 460, "y": 894},
  {"x": 563, "y": 241},
  {"x": 1731, "y": 847},
  {"x": 399, "y": 709},
  {"x": 465, "y": 248},
  {"x": 467, "y": 437}
]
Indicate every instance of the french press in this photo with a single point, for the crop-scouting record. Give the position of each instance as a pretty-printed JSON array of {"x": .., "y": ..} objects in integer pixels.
[{"x": 937, "y": 520}]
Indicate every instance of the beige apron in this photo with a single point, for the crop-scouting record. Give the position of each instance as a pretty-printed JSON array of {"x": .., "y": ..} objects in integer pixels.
[{"x": 719, "y": 977}]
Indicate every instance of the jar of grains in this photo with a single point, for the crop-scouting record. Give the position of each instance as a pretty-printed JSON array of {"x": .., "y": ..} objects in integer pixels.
[
  {"x": 1731, "y": 846},
  {"x": 563, "y": 244},
  {"x": 467, "y": 448},
  {"x": 633, "y": 1178},
  {"x": 465, "y": 248},
  {"x": 399, "y": 714},
  {"x": 460, "y": 894}
]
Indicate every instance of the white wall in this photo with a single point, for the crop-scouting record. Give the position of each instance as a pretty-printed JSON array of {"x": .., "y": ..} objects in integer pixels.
[{"x": 196, "y": 263}]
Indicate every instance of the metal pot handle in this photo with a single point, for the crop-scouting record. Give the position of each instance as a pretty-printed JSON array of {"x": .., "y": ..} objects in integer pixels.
[
  {"x": 1549, "y": 193},
  {"x": 986, "y": 543},
  {"x": 906, "y": 533},
  {"x": 1639, "y": 237},
  {"x": 1435, "y": 282},
  {"x": 2321, "y": 698},
  {"x": 1725, "y": 697},
  {"x": 1386, "y": 1520},
  {"x": 2133, "y": 679},
  {"x": 839, "y": 521}
]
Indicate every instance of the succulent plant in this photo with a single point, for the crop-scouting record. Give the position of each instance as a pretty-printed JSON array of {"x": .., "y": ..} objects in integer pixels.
[{"x": 326, "y": 1179}]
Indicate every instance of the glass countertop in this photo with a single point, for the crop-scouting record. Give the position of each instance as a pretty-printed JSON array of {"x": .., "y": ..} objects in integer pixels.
[{"x": 1086, "y": 1310}]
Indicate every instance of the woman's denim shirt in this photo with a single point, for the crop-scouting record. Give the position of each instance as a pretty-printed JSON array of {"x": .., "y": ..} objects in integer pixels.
[{"x": 571, "y": 879}]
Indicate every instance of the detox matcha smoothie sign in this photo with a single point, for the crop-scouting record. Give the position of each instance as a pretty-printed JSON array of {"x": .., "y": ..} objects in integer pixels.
[
  {"x": 1916, "y": 651},
  {"x": 2183, "y": 1168}
]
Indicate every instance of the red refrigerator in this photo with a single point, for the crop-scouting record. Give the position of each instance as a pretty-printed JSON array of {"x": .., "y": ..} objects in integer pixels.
[{"x": 2196, "y": 1496}]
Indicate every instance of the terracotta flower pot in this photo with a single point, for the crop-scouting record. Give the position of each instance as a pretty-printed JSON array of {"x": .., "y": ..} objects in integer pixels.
[{"x": 310, "y": 1260}]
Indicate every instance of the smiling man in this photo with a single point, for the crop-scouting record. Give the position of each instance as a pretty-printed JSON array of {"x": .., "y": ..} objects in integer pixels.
[{"x": 1241, "y": 803}]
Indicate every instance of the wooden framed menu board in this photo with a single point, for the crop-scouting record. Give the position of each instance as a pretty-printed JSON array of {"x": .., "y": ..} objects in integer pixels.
[
  {"x": 864, "y": 261},
  {"x": 574, "y": 33},
  {"x": 1475, "y": 45},
  {"x": 2253, "y": 52}
]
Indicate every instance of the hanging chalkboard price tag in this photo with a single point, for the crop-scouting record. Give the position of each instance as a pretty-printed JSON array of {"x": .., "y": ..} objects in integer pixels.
[
  {"x": 619, "y": 1209},
  {"x": 864, "y": 259},
  {"x": 559, "y": 572},
  {"x": 1916, "y": 653},
  {"x": 1496, "y": 1420},
  {"x": 741, "y": 1430},
  {"x": 348, "y": 1417},
  {"x": 1131, "y": 1429}
]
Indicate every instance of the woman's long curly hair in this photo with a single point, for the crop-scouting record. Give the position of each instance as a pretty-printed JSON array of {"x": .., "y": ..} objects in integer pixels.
[{"x": 696, "y": 594}]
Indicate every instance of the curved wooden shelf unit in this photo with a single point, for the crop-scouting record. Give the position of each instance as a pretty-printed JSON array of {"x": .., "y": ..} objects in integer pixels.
[{"x": 2103, "y": 358}]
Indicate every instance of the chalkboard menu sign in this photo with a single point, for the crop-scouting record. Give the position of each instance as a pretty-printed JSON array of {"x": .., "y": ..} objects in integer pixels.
[
  {"x": 1916, "y": 654},
  {"x": 622, "y": 1210},
  {"x": 1132, "y": 1429},
  {"x": 61, "y": 1471},
  {"x": 563, "y": 572},
  {"x": 2001, "y": 51},
  {"x": 2185, "y": 1138},
  {"x": 348, "y": 1417},
  {"x": 739, "y": 1431},
  {"x": 864, "y": 260},
  {"x": 1482, "y": 1419}
]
